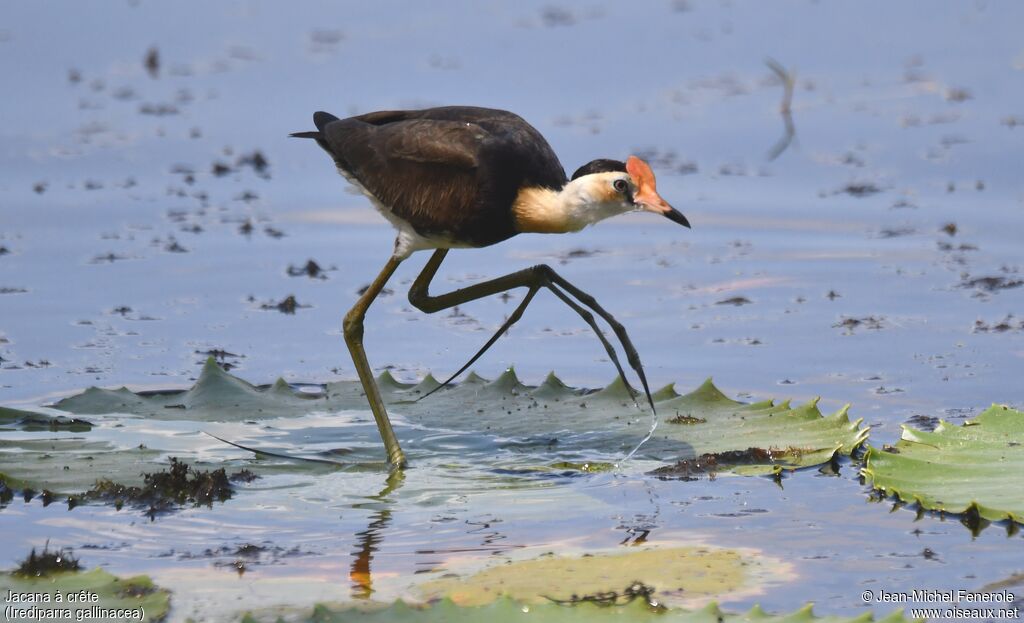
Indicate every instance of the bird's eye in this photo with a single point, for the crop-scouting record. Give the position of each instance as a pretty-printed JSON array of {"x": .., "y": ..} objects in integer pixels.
[{"x": 620, "y": 185}]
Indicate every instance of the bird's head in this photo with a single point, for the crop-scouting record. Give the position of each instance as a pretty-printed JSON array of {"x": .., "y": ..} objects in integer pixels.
[{"x": 604, "y": 188}]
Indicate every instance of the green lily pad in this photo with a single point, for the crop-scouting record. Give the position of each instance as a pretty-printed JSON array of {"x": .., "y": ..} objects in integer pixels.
[
  {"x": 18, "y": 419},
  {"x": 974, "y": 468},
  {"x": 673, "y": 571},
  {"x": 770, "y": 437},
  {"x": 506, "y": 610},
  {"x": 581, "y": 427},
  {"x": 67, "y": 465},
  {"x": 89, "y": 593}
]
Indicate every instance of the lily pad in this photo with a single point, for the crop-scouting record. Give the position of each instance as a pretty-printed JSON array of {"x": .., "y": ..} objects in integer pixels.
[
  {"x": 71, "y": 464},
  {"x": 703, "y": 421},
  {"x": 578, "y": 427},
  {"x": 18, "y": 419},
  {"x": 974, "y": 468},
  {"x": 90, "y": 593},
  {"x": 581, "y": 427},
  {"x": 673, "y": 571},
  {"x": 506, "y": 610}
]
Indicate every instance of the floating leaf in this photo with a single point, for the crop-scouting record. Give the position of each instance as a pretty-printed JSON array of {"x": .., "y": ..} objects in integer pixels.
[
  {"x": 974, "y": 468},
  {"x": 576, "y": 427},
  {"x": 709, "y": 423},
  {"x": 111, "y": 592},
  {"x": 693, "y": 571},
  {"x": 506, "y": 610},
  {"x": 32, "y": 421},
  {"x": 68, "y": 465}
]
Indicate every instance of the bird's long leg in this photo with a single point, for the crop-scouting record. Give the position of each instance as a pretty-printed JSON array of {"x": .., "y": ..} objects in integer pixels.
[
  {"x": 534, "y": 278},
  {"x": 518, "y": 313},
  {"x": 353, "y": 329},
  {"x": 632, "y": 356}
]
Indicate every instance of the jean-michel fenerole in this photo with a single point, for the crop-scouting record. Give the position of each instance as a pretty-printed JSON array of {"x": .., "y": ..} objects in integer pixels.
[{"x": 919, "y": 595}]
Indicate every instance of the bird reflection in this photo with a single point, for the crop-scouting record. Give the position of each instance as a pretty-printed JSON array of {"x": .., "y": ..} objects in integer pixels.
[
  {"x": 360, "y": 573},
  {"x": 785, "y": 108}
]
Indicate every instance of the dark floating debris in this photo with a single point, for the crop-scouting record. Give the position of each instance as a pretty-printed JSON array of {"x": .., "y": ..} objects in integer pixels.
[
  {"x": 388, "y": 292},
  {"x": 945, "y": 246},
  {"x": 867, "y": 322},
  {"x": 949, "y": 228},
  {"x": 737, "y": 301},
  {"x": 47, "y": 563},
  {"x": 557, "y": 16},
  {"x": 923, "y": 422},
  {"x": 896, "y": 232},
  {"x": 257, "y": 161},
  {"x": 286, "y": 306},
  {"x": 172, "y": 246},
  {"x": 158, "y": 110},
  {"x": 859, "y": 189},
  {"x": 882, "y": 390},
  {"x": 1001, "y": 326},
  {"x": 39, "y": 187},
  {"x": 576, "y": 254},
  {"x": 710, "y": 463},
  {"x": 309, "y": 269},
  {"x": 991, "y": 284},
  {"x": 221, "y": 356},
  {"x": 167, "y": 490},
  {"x": 636, "y": 590},
  {"x": 686, "y": 419},
  {"x": 326, "y": 37},
  {"x": 152, "y": 62},
  {"x": 218, "y": 353}
]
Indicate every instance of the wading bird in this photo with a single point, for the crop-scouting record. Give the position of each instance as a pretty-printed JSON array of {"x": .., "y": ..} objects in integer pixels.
[{"x": 458, "y": 177}]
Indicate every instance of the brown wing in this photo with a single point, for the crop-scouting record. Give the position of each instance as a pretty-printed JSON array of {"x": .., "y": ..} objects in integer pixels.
[{"x": 424, "y": 170}]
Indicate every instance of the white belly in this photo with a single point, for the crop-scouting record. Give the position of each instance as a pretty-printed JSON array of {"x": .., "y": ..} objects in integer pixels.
[{"x": 408, "y": 241}]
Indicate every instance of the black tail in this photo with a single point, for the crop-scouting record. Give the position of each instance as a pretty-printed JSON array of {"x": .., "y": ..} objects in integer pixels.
[{"x": 320, "y": 120}]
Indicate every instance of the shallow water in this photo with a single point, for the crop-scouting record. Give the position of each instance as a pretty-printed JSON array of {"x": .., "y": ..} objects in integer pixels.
[{"x": 127, "y": 260}]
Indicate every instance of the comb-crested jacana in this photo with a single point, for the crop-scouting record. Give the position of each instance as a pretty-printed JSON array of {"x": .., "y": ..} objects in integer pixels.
[{"x": 461, "y": 176}]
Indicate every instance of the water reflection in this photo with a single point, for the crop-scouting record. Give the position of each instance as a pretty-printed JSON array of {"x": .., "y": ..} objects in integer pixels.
[
  {"x": 788, "y": 80},
  {"x": 360, "y": 573}
]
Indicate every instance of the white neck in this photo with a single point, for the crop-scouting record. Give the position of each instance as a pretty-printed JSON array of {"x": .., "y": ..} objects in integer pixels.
[{"x": 583, "y": 201}]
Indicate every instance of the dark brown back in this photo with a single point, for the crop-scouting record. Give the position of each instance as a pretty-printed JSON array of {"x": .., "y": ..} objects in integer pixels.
[{"x": 453, "y": 171}]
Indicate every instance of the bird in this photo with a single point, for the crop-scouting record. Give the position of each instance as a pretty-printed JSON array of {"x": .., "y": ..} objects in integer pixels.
[{"x": 456, "y": 177}]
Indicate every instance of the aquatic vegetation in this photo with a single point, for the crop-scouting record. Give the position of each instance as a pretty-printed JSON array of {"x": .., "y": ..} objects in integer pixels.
[
  {"x": 506, "y": 609},
  {"x": 673, "y": 572},
  {"x": 46, "y": 563},
  {"x": 165, "y": 490},
  {"x": 975, "y": 469},
  {"x": 67, "y": 595},
  {"x": 32, "y": 421},
  {"x": 589, "y": 426}
]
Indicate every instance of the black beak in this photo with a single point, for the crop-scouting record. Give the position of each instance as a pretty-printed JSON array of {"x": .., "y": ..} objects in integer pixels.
[{"x": 676, "y": 217}]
